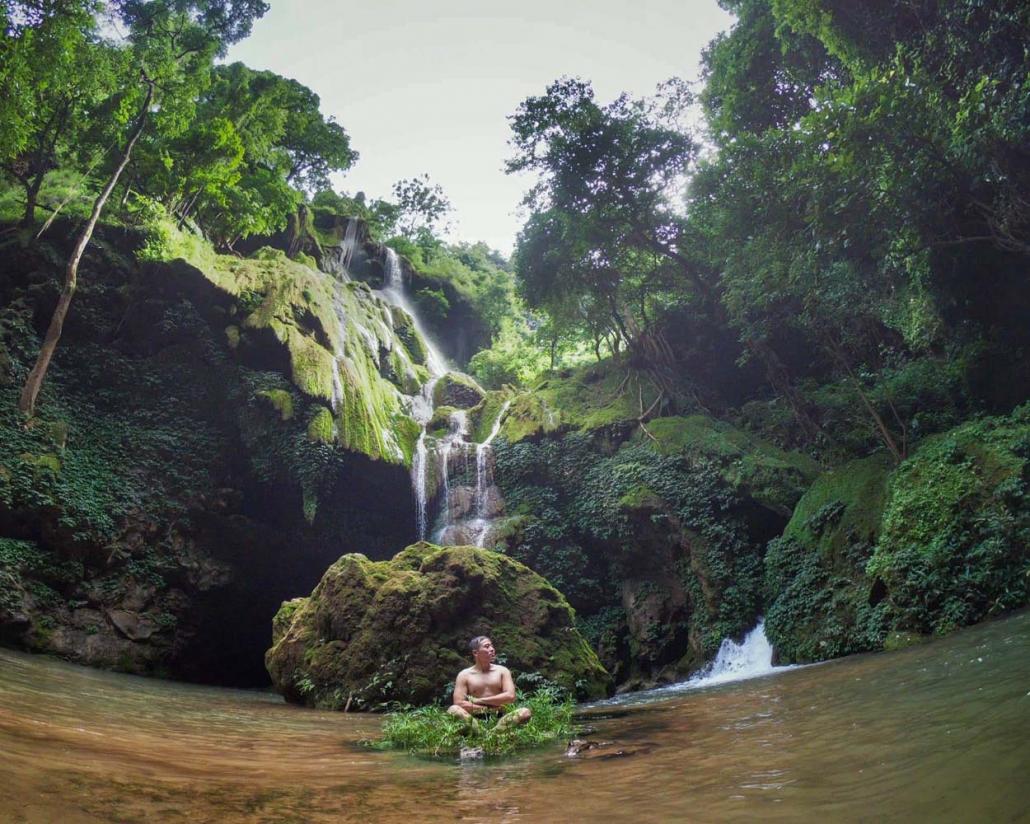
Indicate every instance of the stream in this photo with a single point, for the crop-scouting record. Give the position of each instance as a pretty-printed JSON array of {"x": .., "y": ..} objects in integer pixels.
[{"x": 937, "y": 732}]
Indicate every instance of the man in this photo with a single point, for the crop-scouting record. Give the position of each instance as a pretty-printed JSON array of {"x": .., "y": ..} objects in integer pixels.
[{"x": 485, "y": 687}]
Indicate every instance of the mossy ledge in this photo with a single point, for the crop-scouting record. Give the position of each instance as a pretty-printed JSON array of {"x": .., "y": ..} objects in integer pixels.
[{"x": 375, "y": 634}]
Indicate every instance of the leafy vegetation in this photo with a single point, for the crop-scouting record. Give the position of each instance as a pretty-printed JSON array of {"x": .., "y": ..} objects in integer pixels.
[{"x": 433, "y": 732}]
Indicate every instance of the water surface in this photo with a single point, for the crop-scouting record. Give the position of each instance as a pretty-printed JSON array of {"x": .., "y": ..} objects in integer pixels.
[{"x": 934, "y": 733}]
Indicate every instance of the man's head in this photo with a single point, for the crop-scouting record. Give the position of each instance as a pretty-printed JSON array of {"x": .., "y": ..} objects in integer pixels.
[{"x": 482, "y": 649}]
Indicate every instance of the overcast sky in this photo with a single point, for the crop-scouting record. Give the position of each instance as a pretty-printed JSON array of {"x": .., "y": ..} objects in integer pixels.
[{"x": 426, "y": 85}]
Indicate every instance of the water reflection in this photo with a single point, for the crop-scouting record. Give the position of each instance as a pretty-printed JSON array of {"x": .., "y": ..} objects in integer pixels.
[{"x": 935, "y": 733}]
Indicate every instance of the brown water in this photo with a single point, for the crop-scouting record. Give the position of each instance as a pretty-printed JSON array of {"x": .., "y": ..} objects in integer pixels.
[{"x": 936, "y": 733}]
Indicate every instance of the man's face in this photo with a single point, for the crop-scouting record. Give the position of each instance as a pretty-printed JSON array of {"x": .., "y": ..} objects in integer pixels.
[{"x": 486, "y": 652}]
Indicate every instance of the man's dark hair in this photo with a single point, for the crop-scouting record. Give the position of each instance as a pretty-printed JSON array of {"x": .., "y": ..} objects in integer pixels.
[{"x": 475, "y": 642}]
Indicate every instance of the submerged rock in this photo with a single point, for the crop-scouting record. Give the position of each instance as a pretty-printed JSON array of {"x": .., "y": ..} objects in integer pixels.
[{"x": 396, "y": 631}]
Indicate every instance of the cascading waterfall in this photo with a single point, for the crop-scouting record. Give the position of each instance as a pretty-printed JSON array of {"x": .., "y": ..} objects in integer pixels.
[
  {"x": 350, "y": 238},
  {"x": 485, "y": 480},
  {"x": 422, "y": 404},
  {"x": 466, "y": 511}
]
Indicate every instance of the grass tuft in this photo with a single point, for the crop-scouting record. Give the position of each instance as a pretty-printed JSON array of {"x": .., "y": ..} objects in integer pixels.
[{"x": 431, "y": 731}]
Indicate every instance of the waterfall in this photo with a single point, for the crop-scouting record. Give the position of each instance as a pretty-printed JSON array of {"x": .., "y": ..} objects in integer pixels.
[
  {"x": 751, "y": 658},
  {"x": 485, "y": 480},
  {"x": 465, "y": 512},
  {"x": 421, "y": 405},
  {"x": 350, "y": 237},
  {"x": 735, "y": 662}
]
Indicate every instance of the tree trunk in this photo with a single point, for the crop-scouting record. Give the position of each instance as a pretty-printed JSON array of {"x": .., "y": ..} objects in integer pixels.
[
  {"x": 31, "y": 197},
  {"x": 29, "y": 393}
]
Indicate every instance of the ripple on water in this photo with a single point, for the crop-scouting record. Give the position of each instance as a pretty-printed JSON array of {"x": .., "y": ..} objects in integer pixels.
[{"x": 933, "y": 733}]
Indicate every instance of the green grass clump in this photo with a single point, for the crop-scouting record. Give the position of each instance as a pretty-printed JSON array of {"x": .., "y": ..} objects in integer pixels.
[{"x": 431, "y": 731}]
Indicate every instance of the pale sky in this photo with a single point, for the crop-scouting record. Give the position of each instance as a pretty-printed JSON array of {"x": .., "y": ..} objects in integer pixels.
[{"x": 427, "y": 85}]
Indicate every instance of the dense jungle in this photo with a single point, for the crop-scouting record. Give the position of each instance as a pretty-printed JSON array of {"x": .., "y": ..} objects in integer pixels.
[{"x": 762, "y": 352}]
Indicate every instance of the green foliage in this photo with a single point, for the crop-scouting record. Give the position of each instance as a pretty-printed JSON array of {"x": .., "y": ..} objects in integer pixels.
[
  {"x": 421, "y": 206},
  {"x": 955, "y": 545},
  {"x": 515, "y": 357},
  {"x": 431, "y": 731},
  {"x": 598, "y": 251},
  {"x": 572, "y": 497}
]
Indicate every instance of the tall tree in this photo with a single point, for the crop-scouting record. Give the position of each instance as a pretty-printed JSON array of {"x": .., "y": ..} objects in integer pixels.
[
  {"x": 603, "y": 244},
  {"x": 172, "y": 44}
]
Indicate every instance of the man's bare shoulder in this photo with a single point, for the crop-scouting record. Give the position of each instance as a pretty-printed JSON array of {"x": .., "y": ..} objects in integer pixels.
[{"x": 502, "y": 670}]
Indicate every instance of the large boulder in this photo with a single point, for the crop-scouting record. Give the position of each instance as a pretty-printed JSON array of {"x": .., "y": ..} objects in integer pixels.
[{"x": 396, "y": 631}]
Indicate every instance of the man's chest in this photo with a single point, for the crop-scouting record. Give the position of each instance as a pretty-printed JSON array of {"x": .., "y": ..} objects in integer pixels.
[{"x": 484, "y": 682}]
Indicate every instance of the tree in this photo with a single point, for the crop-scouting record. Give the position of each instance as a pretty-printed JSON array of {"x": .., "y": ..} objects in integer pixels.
[
  {"x": 172, "y": 44},
  {"x": 603, "y": 245},
  {"x": 422, "y": 205},
  {"x": 56, "y": 72}
]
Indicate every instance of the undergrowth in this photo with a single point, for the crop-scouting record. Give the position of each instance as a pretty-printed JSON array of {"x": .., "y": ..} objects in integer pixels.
[{"x": 430, "y": 731}]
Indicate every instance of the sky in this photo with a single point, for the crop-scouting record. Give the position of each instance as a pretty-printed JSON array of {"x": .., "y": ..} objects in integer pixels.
[{"x": 426, "y": 86}]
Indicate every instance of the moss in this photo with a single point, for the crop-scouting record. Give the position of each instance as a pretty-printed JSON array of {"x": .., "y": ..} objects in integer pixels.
[
  {"x": 377, "y": 632},
  {"x": 587, "y": 398},
  {"x": 955, "y": 540},
  {"x": 772, "y": 476},
  {"x": 305, "y": 259},
  {"x": 457, "y": 390},
  {"x": 822, "y": 604},
  {"x": 334, "y": 334},
  {"x": 321, "y": 426},
  {"x": 280, "y": 400},
  {"x": 47, "y": 462},
  {"x": 483, "y": 417},
  {"x": 843, "y": 506}
]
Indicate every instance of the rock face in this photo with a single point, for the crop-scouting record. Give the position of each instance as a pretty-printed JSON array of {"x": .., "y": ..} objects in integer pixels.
[
  {"x": 458, "y": 391},
  {"x": 377, "y": 632},
  {"x": 875, "y": 557},
  {"x": 213, "y": 433},
  {"x": 655, "y": 533}
]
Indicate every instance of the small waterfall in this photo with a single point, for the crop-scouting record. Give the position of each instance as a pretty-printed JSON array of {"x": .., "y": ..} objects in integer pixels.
[
  {"x": 350, "y": 238},
  {"x": 736, "y": 662},
  {"x": 336, "y": 259},
  {"x": 752, "y": 658},
  {"x": 485, "y": 480}
]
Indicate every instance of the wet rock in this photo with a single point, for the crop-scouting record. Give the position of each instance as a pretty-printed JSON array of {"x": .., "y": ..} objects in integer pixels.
[
  {"x": 457, "y": 390},
  {"x": 132, "y": 625},
  {"x": 471, "y": 754}
]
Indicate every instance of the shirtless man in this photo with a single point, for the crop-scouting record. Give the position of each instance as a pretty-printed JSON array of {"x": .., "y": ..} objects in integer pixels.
[{"x": 485, "y": 687}]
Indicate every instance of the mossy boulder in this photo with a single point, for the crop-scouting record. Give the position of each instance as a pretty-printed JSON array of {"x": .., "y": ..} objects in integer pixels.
[
  {"x": 457, "y": 390},
  {"x": 822, "y": 603},
  {"x": 373, "y": 633},
  {"x": 954, "y": 546},
  {"x": 588, "y": 398}
]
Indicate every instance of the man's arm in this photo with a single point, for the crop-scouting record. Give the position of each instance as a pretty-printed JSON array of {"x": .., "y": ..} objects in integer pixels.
[
  {"x": 505, "y": 696},
  {"x": 459, "y": 697}
]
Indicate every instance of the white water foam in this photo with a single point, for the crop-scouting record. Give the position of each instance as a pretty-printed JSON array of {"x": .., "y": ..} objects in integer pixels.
[{"x": 752, "y": 658}]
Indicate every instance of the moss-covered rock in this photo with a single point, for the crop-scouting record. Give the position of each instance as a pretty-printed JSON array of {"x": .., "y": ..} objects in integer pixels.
[
  {"x": 821, "y": 602},
  {"x": 875, "y": 558},
  {"x": 171, "y": 489},
  {"x": 772, "y": 476},
  {"x": 585, "y": 399},
  {"x": 343, "y": 345},
  {"x": 954, "y": 546},
  {"x": 457, "y": 390},
  {"x": 373, "y": 633},
  {"x": 655, "y": 532}
]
